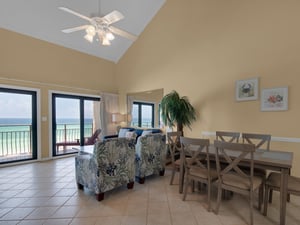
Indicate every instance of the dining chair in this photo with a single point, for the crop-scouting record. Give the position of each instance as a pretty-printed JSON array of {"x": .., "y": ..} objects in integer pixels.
[
  {"x": 273, "y": 183},
  {"x": 174, "y": 148},
  {"x": 232, "y": 177},
  {"x": 261, "y": 141},
  {"x": 197, "y": 164},
  {"x": 227, "y": 136}
]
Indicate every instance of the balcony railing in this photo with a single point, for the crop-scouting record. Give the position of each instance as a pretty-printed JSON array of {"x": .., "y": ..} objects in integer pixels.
[{"x": 16, "y": 140}]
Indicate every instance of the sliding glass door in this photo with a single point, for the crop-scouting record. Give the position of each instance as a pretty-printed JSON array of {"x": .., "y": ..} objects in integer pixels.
[
  {"x": 18, "y": 125},
  {"x": 75, "y": 119}
]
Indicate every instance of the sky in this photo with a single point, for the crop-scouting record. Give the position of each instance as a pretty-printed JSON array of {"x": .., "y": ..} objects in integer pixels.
[{"x": 14, "y": 105}]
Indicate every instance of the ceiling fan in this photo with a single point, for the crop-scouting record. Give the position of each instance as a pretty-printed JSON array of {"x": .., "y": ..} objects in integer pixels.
[{"x": 100, "y": 27}]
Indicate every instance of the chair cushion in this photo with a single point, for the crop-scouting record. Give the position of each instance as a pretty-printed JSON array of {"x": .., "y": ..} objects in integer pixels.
[
  {"x": 293, "y": 182},
  {"x": 234, "y": 180},
  {"x": 145, "y": 132}
]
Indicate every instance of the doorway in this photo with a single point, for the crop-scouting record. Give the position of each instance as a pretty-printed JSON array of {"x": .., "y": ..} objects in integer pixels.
[
  {"x": 74, "y": 120},
  {"x": 18, "y": 125}
]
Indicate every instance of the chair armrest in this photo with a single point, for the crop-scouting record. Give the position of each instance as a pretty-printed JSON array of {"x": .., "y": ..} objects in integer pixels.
[{"x": 110, "y": 136}]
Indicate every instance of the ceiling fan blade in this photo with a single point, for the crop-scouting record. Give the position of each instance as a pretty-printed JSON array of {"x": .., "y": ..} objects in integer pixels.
[
  {"x": 122, "y": 33},
  {"x": 70, "y": 30},
  {"x": 113, "y": 17},
  {"x": 75, "y": 13}
]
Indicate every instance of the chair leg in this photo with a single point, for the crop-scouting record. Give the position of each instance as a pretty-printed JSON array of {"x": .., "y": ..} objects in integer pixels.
[
  {"x": 100, "y": 196},
  {"x": 186, "y": 185},
  {"x": 172, "y": 175},
  {"x": 162, "y": 172},
  {"x": 251, "y": 207},
  {"x": 267, "y": 192},
  {"x": 208, "y": 196},
  {"x": 80, "y": 186},
  {"x": 270, "y": 195},
  {"x": 130, "y": 185},
  {"x": 141, "y": 180},
  {"x": 219, "y": 197},
  {"x": 260, "y": 196}
]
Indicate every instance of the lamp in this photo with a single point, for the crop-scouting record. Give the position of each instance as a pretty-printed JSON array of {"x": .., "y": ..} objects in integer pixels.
[{"x": 117, "y": 118}]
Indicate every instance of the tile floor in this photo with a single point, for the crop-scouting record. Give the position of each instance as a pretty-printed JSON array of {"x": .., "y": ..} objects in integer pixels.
[{"x": 46, "y": 193}]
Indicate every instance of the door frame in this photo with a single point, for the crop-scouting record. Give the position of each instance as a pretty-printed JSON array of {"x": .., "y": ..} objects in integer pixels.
[
  {"x": 38, "y": 119},
  {"x": 50, "y": 93}
]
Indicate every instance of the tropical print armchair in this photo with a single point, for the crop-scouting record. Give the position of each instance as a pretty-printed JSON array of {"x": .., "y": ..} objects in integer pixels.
[
  {"x": 150, "y": 156},
  {"x": 110, "y": 166}
]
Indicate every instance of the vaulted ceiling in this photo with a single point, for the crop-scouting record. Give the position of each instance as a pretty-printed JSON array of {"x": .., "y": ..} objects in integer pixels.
[{"x": 43, "y": 20}]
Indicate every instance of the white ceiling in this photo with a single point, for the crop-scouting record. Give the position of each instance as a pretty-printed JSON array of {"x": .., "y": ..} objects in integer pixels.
[{"x": 43, "y": 20}]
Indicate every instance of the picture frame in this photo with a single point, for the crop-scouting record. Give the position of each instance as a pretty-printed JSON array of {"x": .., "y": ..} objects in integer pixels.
[
  {"x": 246, "y": 90},
  {"x": 274, "y": 99}
]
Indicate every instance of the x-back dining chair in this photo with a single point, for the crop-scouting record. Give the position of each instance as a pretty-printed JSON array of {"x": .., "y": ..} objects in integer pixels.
[
  {"x": 261, "y": 141},
  {"x": 227, "y": 136},
  {"x": 174, "y": 147},
  {"x": 273, "y": 183},
  {"x": 197, "y": 164},
  {"x": 232, "y": 177}
]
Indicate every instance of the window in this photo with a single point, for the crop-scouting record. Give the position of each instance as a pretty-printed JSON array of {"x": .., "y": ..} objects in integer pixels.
[{"x": 142, "y": 114}]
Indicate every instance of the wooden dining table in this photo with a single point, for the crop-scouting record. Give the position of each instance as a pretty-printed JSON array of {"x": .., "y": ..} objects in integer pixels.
[{"x": 280, "y": 161}]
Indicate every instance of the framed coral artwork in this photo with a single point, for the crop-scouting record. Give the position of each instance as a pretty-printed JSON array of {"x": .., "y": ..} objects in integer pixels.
[
  {"x": 246, "y": 90},
  {"x": 274, "y": 99}
]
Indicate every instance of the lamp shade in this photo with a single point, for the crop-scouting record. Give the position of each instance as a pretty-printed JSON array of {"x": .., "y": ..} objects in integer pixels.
[{"x": 117, "y": 117}]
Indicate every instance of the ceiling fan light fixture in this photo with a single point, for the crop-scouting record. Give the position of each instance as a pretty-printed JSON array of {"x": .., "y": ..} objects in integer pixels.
[
  {"x": 109, "y": 36},
  {"x": 89, "y": 37},
  {"x": 105, "y": 41}
]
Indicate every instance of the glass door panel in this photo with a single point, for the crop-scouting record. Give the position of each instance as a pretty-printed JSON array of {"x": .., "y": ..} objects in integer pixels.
[
  {"x": 74, "y": 122},
  {"x": 18, "y": 125}
]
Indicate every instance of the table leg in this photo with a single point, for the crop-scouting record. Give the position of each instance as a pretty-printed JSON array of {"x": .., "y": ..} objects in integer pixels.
[{"x": 283, "y": 195}]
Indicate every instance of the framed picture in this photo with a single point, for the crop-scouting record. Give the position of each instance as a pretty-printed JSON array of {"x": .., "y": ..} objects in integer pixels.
[
  {"x": 274, "y": 99},
  {"x": 246, "y": 90}
]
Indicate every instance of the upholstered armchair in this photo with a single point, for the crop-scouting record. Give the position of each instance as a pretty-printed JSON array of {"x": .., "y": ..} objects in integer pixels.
[
  {"x": 111, "y": 165},
  {"x": 150, "y": 156}
]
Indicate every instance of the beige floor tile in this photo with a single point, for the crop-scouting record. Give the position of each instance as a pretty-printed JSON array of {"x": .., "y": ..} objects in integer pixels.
[
  {"x": 32, "y": 222},
  {"x": 183, "y": 218},
  {"x": 17, "y": 214},
  {"x": 109, "y": 220},
  {"x": 66, "y": 212},
  {"x": 134, "y": 220},
  {"x": 84, "y": 221},
  {"x": 42, "y": 213},
  {"x": 46, "y": 193},
  {"x": 157, "y": 208},
  {"x": 159, "y": 219}
]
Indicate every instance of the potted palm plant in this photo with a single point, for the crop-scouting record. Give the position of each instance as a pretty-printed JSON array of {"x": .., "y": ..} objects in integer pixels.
[{"x": 176, "y": 110}]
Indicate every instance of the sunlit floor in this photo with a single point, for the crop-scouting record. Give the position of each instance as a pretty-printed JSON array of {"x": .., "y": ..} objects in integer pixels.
[{"x": 46, "y": 193}]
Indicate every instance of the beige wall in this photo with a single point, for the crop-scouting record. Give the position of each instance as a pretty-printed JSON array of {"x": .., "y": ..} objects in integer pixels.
[
  {"x": 27, "y": 62},
  {"x": 201, "y": 47}
]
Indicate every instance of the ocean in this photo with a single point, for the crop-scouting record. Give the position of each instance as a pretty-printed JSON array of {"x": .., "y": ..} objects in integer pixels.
[{"x": 15, "y": 133}]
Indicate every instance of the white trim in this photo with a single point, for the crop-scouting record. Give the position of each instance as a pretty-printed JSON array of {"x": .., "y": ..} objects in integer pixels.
[
  {"x": 278, "y": 139},
  {"x": 38, "y": 116}
]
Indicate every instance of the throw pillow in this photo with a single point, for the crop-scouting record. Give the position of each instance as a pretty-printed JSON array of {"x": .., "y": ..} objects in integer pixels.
[
  {"x": 130, "y": 134},
  {"x": 122, "y": 132},
  {"x": 145, "y": 132}
]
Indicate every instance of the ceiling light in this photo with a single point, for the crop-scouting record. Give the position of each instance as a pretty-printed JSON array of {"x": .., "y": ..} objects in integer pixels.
[
  {"x": 89, "y": 38},
  {"x": 109, "y": 36},
  {"x": 105, "y": 41}
]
